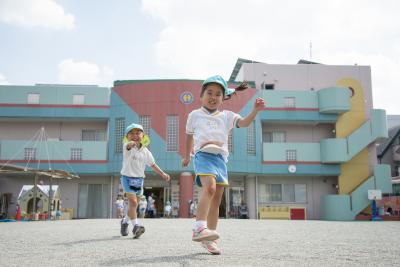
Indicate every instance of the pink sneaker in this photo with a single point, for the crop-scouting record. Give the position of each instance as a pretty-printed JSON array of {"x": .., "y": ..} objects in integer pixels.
[
  {"x": 211, "y": 246},
  {"x": 203, "y": 234}
]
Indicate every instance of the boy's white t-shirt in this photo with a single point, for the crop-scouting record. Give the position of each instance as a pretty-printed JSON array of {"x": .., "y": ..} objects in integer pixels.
[
  {"x": 206, "y": 127},
  {"x": 135, "y": 161}
]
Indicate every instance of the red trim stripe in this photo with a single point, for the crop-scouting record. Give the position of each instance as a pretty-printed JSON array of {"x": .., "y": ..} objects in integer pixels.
[
  {"x": 56, "y": 161},
  {"x": 52, "y": 106},
  {"x": 293, "y": 162}
]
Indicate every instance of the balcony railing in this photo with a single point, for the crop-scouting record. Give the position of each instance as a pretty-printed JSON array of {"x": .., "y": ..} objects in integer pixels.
[{"x": 55, "y": 151}]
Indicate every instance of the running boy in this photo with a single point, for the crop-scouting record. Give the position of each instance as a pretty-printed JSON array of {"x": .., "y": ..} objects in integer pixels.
[
  {"x": 135, "y": 158},
  {"x": 207, "y": 129}
]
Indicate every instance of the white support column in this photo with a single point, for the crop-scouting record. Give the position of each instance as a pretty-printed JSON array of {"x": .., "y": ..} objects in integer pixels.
[{"x": 251, "y": 196}]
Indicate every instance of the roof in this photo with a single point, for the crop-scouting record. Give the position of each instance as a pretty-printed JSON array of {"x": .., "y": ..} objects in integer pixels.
[
  {"x": 124, "y": 82},
  {"x": 238, "y": 65},
  {"x": 44, "y": 188},
  {"x": 15, "y": 169},
  {"x": 396, "y": 180},
  {"x": 383, "y": 147},
  {"x": 303, "y": 61}
]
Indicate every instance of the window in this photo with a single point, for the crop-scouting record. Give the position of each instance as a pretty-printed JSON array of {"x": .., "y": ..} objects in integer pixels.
[
  {"x": 396, "y": 189},
  {"x": 251, "y": 139},
  {"x": 300, "y": 193},
  {"x": 268, "y": 86},
  {"x": 290, "y": 102},
  {"x": 230, "y": 142},
  {"x": 267, "y": 137},
  {"x": 172, "y": 133},
  {"x": 276, "y": 192},
  {"x": 284, "y": 193},
  {"x": 76, "y": 153},
  {"x": 263, "y": 193},
  {"x": 33, "y": 98},
  {"x": 119, "y": 134},
  {"x": 274, "y": 137},
  {"x": 93, "y": 135},
  {"x": 291, "y": 155},
  {"x": 278, "y": 137},
  {"x": 78, "y": 99},
  {"x": 145, "y": 121},
  {"x": 30, "y": 153},
  {"x": 288, "y": 194}
]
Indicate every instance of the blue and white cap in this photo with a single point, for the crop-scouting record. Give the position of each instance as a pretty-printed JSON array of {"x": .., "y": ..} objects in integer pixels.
[
  {"x": 219, "y": 80},
  {"x": 133, "y": 126}
]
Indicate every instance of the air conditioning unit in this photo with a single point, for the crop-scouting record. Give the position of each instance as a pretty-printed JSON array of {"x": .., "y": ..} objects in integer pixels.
[{"x": 396, "y": 153}]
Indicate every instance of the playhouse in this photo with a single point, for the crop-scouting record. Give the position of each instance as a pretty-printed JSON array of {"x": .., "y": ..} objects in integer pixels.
[{"x": 26, "y": 200}]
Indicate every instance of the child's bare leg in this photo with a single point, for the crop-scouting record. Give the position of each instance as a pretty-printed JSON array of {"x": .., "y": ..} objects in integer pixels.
[
  {"x": 209, "y": 187},
  {"x": 213, "y": 213},
  {"x": 133, "y": 203}
]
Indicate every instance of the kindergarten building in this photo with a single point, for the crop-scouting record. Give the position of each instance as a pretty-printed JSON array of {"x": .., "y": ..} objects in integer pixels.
[{"x": 310, "y": 154}]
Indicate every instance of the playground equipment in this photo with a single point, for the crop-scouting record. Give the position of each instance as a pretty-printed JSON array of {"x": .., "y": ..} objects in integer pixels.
[{"x": 375, "y": 195}]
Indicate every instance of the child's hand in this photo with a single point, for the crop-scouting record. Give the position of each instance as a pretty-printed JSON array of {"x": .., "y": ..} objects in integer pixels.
[
  {"x": 166, "y": 177},
  {"x": 259, "y": 104},
  {"x": 185, "y": 162}
]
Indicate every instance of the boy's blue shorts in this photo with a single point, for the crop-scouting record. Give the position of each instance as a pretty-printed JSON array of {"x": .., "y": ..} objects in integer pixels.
[
  {"x": 212, "y": 165},
  {"x": 133, "y": 185}
]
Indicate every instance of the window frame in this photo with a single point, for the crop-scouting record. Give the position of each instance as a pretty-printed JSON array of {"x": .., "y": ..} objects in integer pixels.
[
  {"x": 78, "y": 99},
  {"x": 33, "y": 98},
  {"x": 119, "y": 134},
  {"x": 172, "y": 134},
  {"x": 76, "y": 153}
]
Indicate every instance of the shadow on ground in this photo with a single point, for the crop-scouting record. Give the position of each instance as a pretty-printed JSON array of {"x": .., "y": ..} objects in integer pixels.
[{"x": 183, "y": 260}]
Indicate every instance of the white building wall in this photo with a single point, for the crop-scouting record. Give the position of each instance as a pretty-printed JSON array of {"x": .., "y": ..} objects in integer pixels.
[{"x": 303, "y": 77}]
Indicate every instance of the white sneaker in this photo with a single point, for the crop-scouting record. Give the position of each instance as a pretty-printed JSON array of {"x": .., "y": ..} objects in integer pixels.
[
  {"x": 211, "y": 246},
  {"x": 204, "y": 234}
]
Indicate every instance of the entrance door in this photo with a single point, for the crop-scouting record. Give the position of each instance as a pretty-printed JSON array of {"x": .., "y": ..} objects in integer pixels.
[
  {"x": 157, "y": 194},
  {"x": 93, "y": 201},
  {"x": 236, "y": 198},
  {"x": 39, "y": 206}
]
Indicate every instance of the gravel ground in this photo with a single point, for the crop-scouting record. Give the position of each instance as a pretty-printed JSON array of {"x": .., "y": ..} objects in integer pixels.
[{"x": 167, "y": 242}]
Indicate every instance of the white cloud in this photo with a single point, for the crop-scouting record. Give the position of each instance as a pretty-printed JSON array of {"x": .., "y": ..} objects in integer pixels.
[
  {"x": 3, "y": 80},
  {"x": 82, "y": 72},
  {"x": 206, "y": 37},
  {"x": 36, "y": 13}
]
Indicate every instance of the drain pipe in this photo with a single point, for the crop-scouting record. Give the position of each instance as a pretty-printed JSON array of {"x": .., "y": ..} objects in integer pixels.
[
  {"x": 257, "y": 197},
  {"x": 111, "y": 195}
]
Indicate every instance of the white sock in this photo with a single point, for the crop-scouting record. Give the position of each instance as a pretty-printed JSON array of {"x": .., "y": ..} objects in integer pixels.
[
  {"x": 135, "y": 222},
  {"x": 200, "y": 224},
  {"x": 126, "y": 219}
]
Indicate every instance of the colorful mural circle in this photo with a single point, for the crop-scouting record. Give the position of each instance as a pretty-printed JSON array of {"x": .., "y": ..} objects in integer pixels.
[{"x": 186, "y": 98}]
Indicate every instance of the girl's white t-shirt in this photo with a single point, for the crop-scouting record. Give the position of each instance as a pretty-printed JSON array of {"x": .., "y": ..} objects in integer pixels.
[
  {"x": 206, "y": 127},
  {"x": 135, "y": 160}
]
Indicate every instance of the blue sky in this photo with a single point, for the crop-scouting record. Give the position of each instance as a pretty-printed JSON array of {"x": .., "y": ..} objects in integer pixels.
[{"x": 99, "y": 41}]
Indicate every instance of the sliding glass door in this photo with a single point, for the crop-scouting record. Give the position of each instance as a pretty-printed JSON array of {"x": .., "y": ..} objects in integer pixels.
[{"x": 93, "y": 201}]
